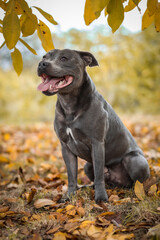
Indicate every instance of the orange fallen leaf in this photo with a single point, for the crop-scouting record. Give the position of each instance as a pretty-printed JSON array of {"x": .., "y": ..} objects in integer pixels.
[
  {"x": 53, "y": 230},
  {"x": 139, "y": 190},
  {"x": 81, "y": 211},
  {"x": 3, "y": 159},
  {"x": 31, "y": 195},
  {"x": 107, "y": 214},
  {"x": 59, "y": 236},
  {"x": 86, "y": 223},
  {"x": 94, "y": 232},
  {"x": 152, "y": 190},
  {"x": 113, "y": 198},
  {"x": 4, "y": 209},
  {"x": 69, "y": 207},
  {"x": 43, "y": 202}
]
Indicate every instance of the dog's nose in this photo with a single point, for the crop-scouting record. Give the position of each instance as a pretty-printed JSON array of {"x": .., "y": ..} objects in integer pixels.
[{"x": 43, "y": 64}]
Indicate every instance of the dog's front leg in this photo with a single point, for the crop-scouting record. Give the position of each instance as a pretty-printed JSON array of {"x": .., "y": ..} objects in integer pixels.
[
  {"x": 72, "y": 168},
  {"x": 98, "y": 158}
]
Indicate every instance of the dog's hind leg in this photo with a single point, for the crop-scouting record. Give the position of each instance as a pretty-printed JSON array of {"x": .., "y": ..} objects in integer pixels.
[
  {"x": 137, "y": 166},
  {"x": 116, "y": 175}
]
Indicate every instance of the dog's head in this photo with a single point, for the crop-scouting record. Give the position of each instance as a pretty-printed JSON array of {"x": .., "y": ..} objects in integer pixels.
[{"x": 62, "y": 70}]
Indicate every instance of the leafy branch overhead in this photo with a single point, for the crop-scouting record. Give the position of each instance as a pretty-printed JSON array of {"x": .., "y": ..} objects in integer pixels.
[{"x": 19, "y": 21}]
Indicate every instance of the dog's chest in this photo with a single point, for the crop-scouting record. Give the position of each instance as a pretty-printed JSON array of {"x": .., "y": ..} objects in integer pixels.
[{"x": 70, "y": 134}]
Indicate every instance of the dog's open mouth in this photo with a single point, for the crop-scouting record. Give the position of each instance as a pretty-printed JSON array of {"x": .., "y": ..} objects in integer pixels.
[{"x": 53, "y": 84}]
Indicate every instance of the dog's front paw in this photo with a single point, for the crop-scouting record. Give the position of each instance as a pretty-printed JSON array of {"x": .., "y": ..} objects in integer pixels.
[{"x": 101, "y": 195}]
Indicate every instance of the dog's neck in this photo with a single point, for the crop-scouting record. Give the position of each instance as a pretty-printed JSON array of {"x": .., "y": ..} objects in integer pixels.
[{"x": 69, "y": 103}]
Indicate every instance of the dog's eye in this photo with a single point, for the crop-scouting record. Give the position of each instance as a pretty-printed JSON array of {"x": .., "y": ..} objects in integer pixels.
[{"x": 63, "y": 59}]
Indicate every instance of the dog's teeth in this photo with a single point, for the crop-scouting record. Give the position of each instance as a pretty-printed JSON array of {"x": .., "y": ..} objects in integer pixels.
[
  {"x": 61, "y": 83},
  {"x": 50, "y": 87}
]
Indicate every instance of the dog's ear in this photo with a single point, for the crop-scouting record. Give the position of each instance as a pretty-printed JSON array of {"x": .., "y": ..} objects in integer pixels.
[{"x": 88, "y": 58}]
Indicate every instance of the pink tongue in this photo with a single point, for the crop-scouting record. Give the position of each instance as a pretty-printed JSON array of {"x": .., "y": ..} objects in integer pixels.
[{"x": 45, "y": 85}]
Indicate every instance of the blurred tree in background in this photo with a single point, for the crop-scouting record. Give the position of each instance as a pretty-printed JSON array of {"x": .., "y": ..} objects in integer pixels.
[{"x": 127, "y": 76}]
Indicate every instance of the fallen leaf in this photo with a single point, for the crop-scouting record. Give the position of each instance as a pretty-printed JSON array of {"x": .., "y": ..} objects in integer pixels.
[
  {"x": 53, "y": 230},
  {"x": 70, "y": 227},
  {"x": 3, "y": 159},
  {"x": 107, "y": 214},
  {"x": 69, "y": 207},
  {"x": 86, "y": 223},
  {"x": 139, "y": 190},
  {"x": 153, "y": 189},
  {"x": 4, "y": 209},
  {"x": 43, "y": 202},
  {"x": 94, "y": 232},
  {"x": 154, "y": 232},
  {"x": 59, "y": 236},
  {"x": 31, "y": 195},
  {"x": 81, "y": 211},
  {"x": 113, "y": 198}
]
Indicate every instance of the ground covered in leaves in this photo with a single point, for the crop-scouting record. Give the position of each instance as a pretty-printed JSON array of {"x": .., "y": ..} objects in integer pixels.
[{"x": 33, "y": 178}]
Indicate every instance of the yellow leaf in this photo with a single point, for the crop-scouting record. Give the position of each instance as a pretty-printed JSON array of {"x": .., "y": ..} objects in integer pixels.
[
  {"x": 139, "y": 190},
  {"x": 93, "y": 9},
  {"x": 69, "y": 207},
  {"x": 11, "y": 29},
  {"x": 131, "y": 5},
  {"x": 17, "y": 61},
  {"x": 3, "y": 159},
  {"x": 7, "y": 136},
  {"x": 44, "y": 35},
  {"x": 86, "y": 223},
  {"x": 27, "y": 10},
  {"x": 89, "y": 15},
  {"x": 153, "y": 189},
  {"x": 27, "y": 46},
  {"x": 147, "y": 20},
  {"x": 46, "y": 15},
  {"x": 28, "y": 26},
  {"x": 116, "y": 14},
  {"x": 157, "y": 18},
  {"x": 59, "y": 236},
  {"x": 18, "y": 8},
  {"x": 93, "y": 231},
  {"x": 152, "y": 5}
]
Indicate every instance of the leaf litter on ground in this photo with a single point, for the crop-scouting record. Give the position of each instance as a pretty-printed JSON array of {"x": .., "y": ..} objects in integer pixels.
[{"x": 33, "y": 180}]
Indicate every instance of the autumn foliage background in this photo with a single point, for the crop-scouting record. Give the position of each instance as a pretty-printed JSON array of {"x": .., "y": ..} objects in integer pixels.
[{"x": 32, "y": 173}]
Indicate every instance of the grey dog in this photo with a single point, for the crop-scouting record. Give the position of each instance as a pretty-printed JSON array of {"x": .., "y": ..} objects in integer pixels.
[{"x": 87, "y": 125}]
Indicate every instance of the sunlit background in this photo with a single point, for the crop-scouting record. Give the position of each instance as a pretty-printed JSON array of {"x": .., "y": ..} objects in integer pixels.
[{"x": 128, "y": 75}]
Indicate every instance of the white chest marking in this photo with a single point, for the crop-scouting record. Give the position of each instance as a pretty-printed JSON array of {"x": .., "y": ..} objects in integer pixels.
[{"x": 69, "y": 131}]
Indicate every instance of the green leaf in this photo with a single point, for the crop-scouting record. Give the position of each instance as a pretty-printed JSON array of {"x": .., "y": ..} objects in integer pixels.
[
  {"x": 93, "y": 9},
  {"x": 11, "y": 29},
  {"x": 152, "y": 5},
  {"x": 46, "y": 15},
  {"x": 27, "y": 46},
  {"x": 17, "y": 61},
  {"x": 147, "y": 20},
  {"x": 115, "y": 14},
  {"x": 44, "y": 35}
]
